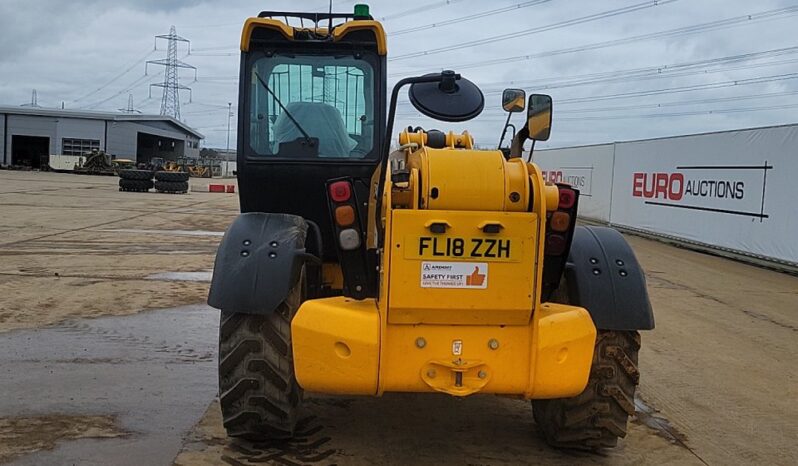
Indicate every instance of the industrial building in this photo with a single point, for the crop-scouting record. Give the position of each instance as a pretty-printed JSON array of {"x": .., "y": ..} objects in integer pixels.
[{"x": 29, "y": 135}]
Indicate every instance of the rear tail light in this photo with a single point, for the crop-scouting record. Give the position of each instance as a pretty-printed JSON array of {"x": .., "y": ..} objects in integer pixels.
[
  {"x": 340, "y": 191},
  {"x": 349, "y": 239},
  {"x": 560, "y": 221},
  {"x": 555, "y": 245},
  {"x": 567, "y": 198},
  {"x": 344, "y": 215}
]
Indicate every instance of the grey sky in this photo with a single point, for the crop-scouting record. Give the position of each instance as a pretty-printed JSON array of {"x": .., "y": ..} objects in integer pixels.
[{"x": 91, "y": 53}]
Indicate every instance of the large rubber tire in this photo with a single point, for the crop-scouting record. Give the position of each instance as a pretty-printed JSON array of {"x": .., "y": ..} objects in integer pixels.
[
  {"x": 177, "y": 187},
  {"x": 135, "y": 174},
  {"x": 135, "y": 185},
  {"x": 597, "y": 417},
  {"x": 171, "y": 176},
  {"x": 258, "y": 391}
]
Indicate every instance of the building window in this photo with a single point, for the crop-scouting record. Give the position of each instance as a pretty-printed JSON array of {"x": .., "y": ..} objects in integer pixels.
[{"x": 71, "y": 146}]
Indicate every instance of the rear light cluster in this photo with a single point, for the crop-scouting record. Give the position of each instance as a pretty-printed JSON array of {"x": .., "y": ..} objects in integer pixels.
[
  {"x": 344, "y": 215},
  {"x": 560, "y": 222},
  {"x": 560, "y": 226},
  {"x": 349, "y": 236}
]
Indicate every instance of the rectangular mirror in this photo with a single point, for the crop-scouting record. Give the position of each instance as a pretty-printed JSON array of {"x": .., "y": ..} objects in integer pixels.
[
  {"x": 513, "y": 100},
  {"x": 539, "y": 117}
]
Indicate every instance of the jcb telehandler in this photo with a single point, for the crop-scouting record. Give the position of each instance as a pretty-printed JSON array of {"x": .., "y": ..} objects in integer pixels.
[{"x": 434, "y": 267}]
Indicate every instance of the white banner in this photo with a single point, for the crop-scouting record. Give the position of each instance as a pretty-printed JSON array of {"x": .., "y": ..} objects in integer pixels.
[
  {"x": 586, "y": 168},
  {"x": 730, "y": 190}
]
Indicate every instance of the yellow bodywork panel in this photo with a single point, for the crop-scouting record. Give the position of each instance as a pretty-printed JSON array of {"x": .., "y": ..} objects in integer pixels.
[
  {"x": 464, "y": 275},
  {"x": 336, "y": 344},
  {"x": 252, "y": 23},
  {"x": 339, "y": 32},
  {"x": 564, "y": 338},
  {"x": 482, "y": 180}
]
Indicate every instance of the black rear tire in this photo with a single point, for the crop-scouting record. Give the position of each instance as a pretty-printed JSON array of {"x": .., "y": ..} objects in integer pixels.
[
  {"x": 597, "y": 417},
  {"x": 259, "y": 394},
  {"x": 135, "y": 185},
  {"x": 135, "y": 174},
  {"x": 171, "y": 176},
  {"x": 175, "y": 187}
]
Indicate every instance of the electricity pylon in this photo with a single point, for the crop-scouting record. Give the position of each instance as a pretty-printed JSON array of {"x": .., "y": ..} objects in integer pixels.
[{"x": 170, "y": 103}]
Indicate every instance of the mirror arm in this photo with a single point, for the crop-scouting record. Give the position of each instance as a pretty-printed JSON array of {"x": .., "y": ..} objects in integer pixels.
[
  {"x": 517, "y": 146},
  {"x": 386, "y": 146},
  {"x": 504, "y": 130},
  {"x": 531, "y": 151}
]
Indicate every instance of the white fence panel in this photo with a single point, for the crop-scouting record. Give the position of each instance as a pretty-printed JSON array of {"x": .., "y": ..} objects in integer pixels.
[
  {"x": 732, "y": 190},
  {"x": 586, "y": 168}
]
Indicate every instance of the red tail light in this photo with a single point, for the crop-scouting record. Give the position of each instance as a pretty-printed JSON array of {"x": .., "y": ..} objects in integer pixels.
[
  {"x": 567, "y": 198},
  {"x": 340, "y": 191}
]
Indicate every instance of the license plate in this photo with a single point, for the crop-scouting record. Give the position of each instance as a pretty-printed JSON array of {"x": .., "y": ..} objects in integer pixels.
[{"x": 467, "y": 248}]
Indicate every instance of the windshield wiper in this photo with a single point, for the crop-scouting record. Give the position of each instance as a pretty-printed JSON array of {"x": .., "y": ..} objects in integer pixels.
[{"x": 288, "y": 114}]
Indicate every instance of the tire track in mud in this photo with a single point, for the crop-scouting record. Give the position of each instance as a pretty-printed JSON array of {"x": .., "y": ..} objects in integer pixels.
[
  {"x": 182, "y": 353},
  {"x": 102, "y": 224},
  {"x": 307, "y": 447}
]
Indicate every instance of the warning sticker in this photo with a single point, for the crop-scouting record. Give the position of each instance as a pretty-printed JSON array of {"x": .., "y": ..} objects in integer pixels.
[{"x": 454, "y": 275}]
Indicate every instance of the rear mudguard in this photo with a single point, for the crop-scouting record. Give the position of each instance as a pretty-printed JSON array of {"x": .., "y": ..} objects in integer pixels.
[
  {"x": 258, "y": 262},
  {"x": 603, "y": 276}
]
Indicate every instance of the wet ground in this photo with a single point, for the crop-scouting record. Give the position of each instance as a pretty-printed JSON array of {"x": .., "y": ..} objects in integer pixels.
[
  {"x": 93, "y": 370},
  {"x": 152, "y": 373}
]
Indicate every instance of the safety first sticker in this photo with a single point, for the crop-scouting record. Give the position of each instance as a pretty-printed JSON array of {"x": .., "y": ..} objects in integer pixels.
[{"x": 454, "y": 275}]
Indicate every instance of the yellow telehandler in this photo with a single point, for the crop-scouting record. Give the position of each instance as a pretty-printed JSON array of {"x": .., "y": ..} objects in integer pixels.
[{"x": 433, "y": 267}]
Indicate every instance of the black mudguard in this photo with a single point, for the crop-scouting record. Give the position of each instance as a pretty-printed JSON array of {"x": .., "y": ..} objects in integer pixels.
[
  {"x": 258, "y": 262},
  {"x": 603, "y": 276}
]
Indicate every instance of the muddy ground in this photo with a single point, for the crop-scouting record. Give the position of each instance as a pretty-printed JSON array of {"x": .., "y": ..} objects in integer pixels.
[{"x": 92, "y": 365}]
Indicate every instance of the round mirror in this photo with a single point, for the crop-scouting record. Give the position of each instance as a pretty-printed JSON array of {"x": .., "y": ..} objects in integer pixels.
[{"x": 449, "y": 99}]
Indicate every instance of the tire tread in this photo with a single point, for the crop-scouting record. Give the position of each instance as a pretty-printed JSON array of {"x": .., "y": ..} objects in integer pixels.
[
  {"x": 259, "y": 394},
  {"x": 597, "y": 417}
]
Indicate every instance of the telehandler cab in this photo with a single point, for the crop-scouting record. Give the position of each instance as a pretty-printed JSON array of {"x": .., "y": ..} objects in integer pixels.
[{"x": 434, "y": 267}]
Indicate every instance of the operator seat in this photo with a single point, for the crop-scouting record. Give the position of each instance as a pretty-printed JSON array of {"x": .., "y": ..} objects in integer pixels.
[{"x": 319, "y": 120}]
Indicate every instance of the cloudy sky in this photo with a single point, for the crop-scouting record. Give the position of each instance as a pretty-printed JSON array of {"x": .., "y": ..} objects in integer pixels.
[{"x": 617, "y": 69}]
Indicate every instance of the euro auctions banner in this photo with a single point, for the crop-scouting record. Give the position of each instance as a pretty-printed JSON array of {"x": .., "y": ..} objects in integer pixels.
[
  {"x": 733, "y": 190},
  {"x": 586, "y": 168}
]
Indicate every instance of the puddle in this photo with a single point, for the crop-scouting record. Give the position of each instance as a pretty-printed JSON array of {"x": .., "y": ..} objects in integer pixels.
[
  {"x": 166, "y": 232},
  {"x": 154, "y": 372},
  {"x": 182, "y": 276}
]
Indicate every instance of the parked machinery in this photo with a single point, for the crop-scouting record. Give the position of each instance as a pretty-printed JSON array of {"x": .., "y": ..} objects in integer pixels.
[{"x": 433, "y": 268}]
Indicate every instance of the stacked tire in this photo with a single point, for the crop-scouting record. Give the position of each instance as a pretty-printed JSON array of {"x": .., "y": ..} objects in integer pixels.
[
  {"x": 135, "y": 180},
  {"x": 171, "y": 182}
]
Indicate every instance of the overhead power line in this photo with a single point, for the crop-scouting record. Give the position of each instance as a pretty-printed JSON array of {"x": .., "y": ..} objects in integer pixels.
[
  {"x": 680, "y": 103},
  {"x": 420, "y": 9},
  {"x": 470, "y": 17},
  {"x": 703, "y": 27},
  {"x": 492, "y": 114},
  {"x": 115, "y": 78},
  {"x": 495, "y": 112},
  {"x": 535, "y": 30},
  {"x": 649, "y": 72},
  {"x": 679, "y": 89},
  {"x": 141, "y": 80},
  {"x": 679, "y": 114}
]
